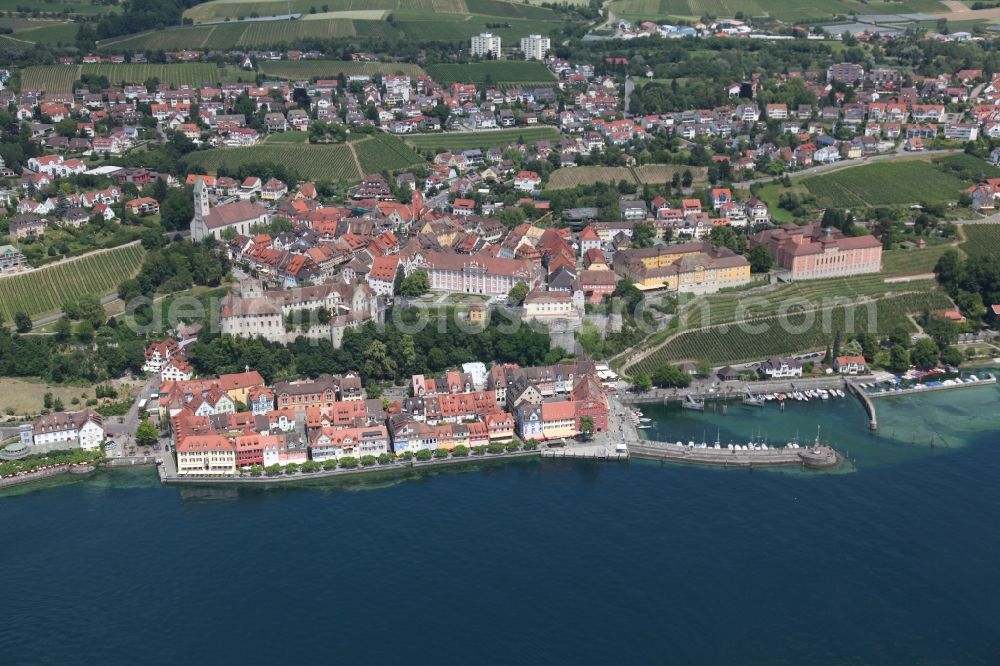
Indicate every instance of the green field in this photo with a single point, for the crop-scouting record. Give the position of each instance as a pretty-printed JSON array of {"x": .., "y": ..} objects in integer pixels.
[
  {"x": 802, "y": 332},
  {"x": 55, "y": 6},
  {"x": 194, "y": 73},
  {"x": 50, "y": 78},
  {"x": 235, "y": 34},
  {"x": 982, "y": 240},
  {"x": 786, "y": 10},
  {"x": 329, "y": 69},
  {"x": 287, "y": 137},
  {"x": 46, "y": 290},
  {"x": 402, "y": 9},
  {"x": 491, "y": 139},
  {"x": 724, "y": 308},
  {"x": 382, "y": 151},
  {"x": 497, "y": 71},
  {"x": 48, "y": 33},
  {"x": 321, "y": 162},
  {"x": 885, "y": 184},
  {"x": 903, "y": 261}
]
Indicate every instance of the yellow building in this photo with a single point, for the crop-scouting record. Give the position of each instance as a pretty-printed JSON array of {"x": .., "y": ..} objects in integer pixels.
[
  {"x": 700, "y": 267},
  {"x": 206, "y": 455}
]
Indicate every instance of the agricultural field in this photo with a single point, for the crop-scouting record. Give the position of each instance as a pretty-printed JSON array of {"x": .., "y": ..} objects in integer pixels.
[
  {"x": 785, "y": 10},
  {"x": 330, "y": 69},
  {"x": 287, "y": 137},
  {"x": 724, "y": 308},
  {"x": 570, "y": 177},
  {"x": 885, "y": 184},
  {"x": 27, "y": 396},
  {"x": 903, "y": 261},
  {"x": 647, "y": 174},
  {"x": 236, "y": 34},
  {"x": 334, "y": 162},
  {"x": 83, "y": 7},
  {"x": 383, "y": 152},
  {"x": 41, "y": 31},
  {"x": 482, "y": 140},
  {"x": 175, "y": 74},
  {"x": 981, "y": 240},
  {"x": 401, "y": 9},
  {"x": 967, "y": 167},
  {"x": 186, "y": 37},
  {"x": 497, "y": 71},
  {"x": 50, "y": 78},
  {"x": 657, "y": 174},
  {"x": 233, "y": 9},
  {"x": 803, "y": 332},
  {"x": 45, "y": 290}
]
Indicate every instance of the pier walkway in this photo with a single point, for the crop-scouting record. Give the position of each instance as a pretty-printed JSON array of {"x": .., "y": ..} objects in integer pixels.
[{"x": 816, "y": 456}]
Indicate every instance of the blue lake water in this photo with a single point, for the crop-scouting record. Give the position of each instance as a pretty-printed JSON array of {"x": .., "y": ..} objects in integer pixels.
[{"x": 893, "y": 560}]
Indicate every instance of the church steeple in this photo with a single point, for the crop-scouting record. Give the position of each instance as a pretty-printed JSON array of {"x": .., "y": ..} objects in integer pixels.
[{"x": 200, "y": 199}]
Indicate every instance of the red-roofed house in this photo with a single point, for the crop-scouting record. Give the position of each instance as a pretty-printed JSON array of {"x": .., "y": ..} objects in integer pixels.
[{"x": 382, "y": 276}]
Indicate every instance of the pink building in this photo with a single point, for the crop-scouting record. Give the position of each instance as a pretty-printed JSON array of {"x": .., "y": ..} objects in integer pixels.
[{"x": 813, "y": 252}]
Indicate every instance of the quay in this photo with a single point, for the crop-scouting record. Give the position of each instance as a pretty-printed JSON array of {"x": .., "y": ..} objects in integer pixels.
[
  {"x": 814, "y": 457},
  {"x": 732, "y": 390},
  {"x": 866, "y": 402},
  {"x": 924, "y": 388},
  {"x": 166, "y": 476},
  {"x": 46, "y": 473},
  {"x": 602, "y": 453}
]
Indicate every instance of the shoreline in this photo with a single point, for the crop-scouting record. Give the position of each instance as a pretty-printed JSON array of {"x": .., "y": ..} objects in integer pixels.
[{"x": 395, "y": 467}]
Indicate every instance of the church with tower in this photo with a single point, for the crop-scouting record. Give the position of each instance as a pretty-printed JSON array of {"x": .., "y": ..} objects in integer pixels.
[{"x": 208, "y": 220}]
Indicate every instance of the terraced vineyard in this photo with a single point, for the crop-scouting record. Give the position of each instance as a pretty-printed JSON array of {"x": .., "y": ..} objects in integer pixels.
[
  {"x": 384, "y": 152},
  {"x": 46, "y": 290},
  {"x": 491, "y": 139},
  {"x": 570, "y": 177},
  {"x": 321, "y": 162},
  {"x": 885, "y": 184},
  {"x": 50, "y": 78},
  {"x": 805, "y": 331},
  {"x": 651, "y": 174},
  {"x": 329, "y": 69},
  {"x": 982, "y": 240},
  {"x": 912, "y": 262},
  {"x": 184, "y": 73},
  {"x": 329, "y": 162},
  {"x": 785, "y": 10},
  {"x": 724, "y": 308},
  {"x": 654, "y": 174},
  {"x": 498, "y": 71},
  {"x": 233, "y": 9}
]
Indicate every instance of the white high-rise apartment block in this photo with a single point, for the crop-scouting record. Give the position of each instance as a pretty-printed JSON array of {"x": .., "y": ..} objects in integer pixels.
[
  {"x": 486, "y": 43},
  {"x": 535, "y": 47}
]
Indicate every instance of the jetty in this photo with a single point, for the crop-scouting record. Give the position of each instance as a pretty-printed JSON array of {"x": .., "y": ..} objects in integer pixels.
[
  {"x": 818, "y": 456},
  {"x": 866, "y": 403}
]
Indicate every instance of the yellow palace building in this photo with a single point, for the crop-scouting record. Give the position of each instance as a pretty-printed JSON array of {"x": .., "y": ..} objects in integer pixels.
[{"x": 699, "y": 267}]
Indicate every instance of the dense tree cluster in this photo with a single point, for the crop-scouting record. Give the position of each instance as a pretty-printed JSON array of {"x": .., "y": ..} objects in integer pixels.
[
  {"x": 383, "y": 353},
  {"x": 140, "y": 15},
  {"x": 972, "y": 282},
  {"x": 109, "y": 352}
]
